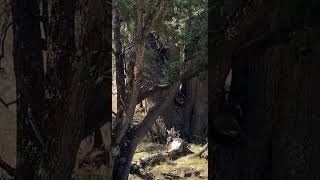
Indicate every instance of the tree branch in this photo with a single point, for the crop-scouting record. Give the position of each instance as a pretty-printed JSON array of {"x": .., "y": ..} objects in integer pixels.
[
  {"x": 157, "y": 110},
  {"x": 115, "y": 54},
  {"x": 201, "y": 151},
  {"x": 145, "y": 94},
  {"x": 135, "y": 67},
  {"x": 187, "y": 69},
  {"x": 152, "y": 17},
  {"x": 5, "y": 166},
  {"x": 4, "y": 103}
]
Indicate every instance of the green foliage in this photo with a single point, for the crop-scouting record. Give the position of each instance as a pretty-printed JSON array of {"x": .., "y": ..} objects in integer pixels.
[
  {"x": 171, "y": 71},
  {"x": 182, "y": 27}
]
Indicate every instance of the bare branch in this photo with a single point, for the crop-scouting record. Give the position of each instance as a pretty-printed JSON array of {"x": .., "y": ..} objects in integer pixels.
[
  {"x": 4, "y": 103},
  {"x": 5, "y": 166},
  {"x": 201, "y": 151}
]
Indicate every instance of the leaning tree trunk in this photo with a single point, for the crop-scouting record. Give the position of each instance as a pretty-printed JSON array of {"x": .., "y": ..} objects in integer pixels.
[
  {"x": 123, "y": 141},
  {"x": 126, "y": 150},
  {"x": 28, "y": 65}
]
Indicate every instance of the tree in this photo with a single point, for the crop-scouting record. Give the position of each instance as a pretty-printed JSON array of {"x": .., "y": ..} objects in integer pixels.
[
  {"x": 126, "y": 136},
  {"x": 65, "y": 98},
  {"x": 269, "y": 71},
  {"x": 188, "y": 30}
]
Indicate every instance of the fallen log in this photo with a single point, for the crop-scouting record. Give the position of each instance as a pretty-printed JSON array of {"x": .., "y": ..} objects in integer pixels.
[{"x": 204, "y": 149}]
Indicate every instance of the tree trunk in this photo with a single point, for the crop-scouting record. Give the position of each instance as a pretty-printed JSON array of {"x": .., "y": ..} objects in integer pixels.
[
  {"x": 191, "y": 118},
  {"x": 122, "y": 160},
  {"x": 199, "y": 120},
  {"x": 28, "y": 65},
  {"x": 120, "y": 67},
  {"x": 122, "y": 165},
  {"x": 296, "y": 136},
  {"x": 78, "y": 83},
  {"x": 280, "y": 122}
]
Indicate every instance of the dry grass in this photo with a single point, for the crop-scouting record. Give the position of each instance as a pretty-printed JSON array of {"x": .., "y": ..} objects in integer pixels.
[{"x": 180, "y": 165}]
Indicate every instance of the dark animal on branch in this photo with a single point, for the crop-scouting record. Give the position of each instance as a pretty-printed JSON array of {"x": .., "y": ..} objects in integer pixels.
[
  {"x": 180, "y": 99},
  {"x": 155, "y": 44}
]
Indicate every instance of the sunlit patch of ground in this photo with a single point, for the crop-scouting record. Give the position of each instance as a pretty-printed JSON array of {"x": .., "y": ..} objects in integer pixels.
[{"x": 180, "y": 166}]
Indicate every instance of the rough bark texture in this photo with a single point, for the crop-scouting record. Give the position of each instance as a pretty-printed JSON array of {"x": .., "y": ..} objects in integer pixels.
[
  {"x": 120, "y": 67},
  {"x": 84, "y": 82},
  {"x": 295, "y": 138},
  {"x": 279, "y": 138},
  {"x": 191, "y": 118},
  {"x": 124, "y": 134},
  {"x": 28, "y": 66},
  {"x": 122, "y": 161}
]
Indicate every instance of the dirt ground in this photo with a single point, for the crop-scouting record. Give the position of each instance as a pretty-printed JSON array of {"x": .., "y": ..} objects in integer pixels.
[{"x": 179, "y": 166}]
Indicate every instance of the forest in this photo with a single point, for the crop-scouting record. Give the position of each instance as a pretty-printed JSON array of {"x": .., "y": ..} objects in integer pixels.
[
  {"x": 159, "y": 89},
  {"x": 55, "y": 79}
]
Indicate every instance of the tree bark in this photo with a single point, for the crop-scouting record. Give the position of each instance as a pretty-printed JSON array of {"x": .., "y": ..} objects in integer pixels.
[
  {"x": 79, "y": 85},
  {"x": 191, "y": 119},
  {"x": 28, "y": 66},
  {"x": 120, "y": 68},
  {"x": 122, "y": 162},
  {"x": 295, "y": 140}
]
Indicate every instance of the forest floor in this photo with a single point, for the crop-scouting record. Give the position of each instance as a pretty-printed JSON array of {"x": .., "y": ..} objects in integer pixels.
[{"x": 179, "y": 167}]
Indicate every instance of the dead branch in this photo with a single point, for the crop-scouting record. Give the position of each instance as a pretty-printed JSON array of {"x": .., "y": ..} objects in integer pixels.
[
  {"x": 5, "y": 166},
  {"x": 202, "y": 151},
  {"x": 151, "y": 160}
]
